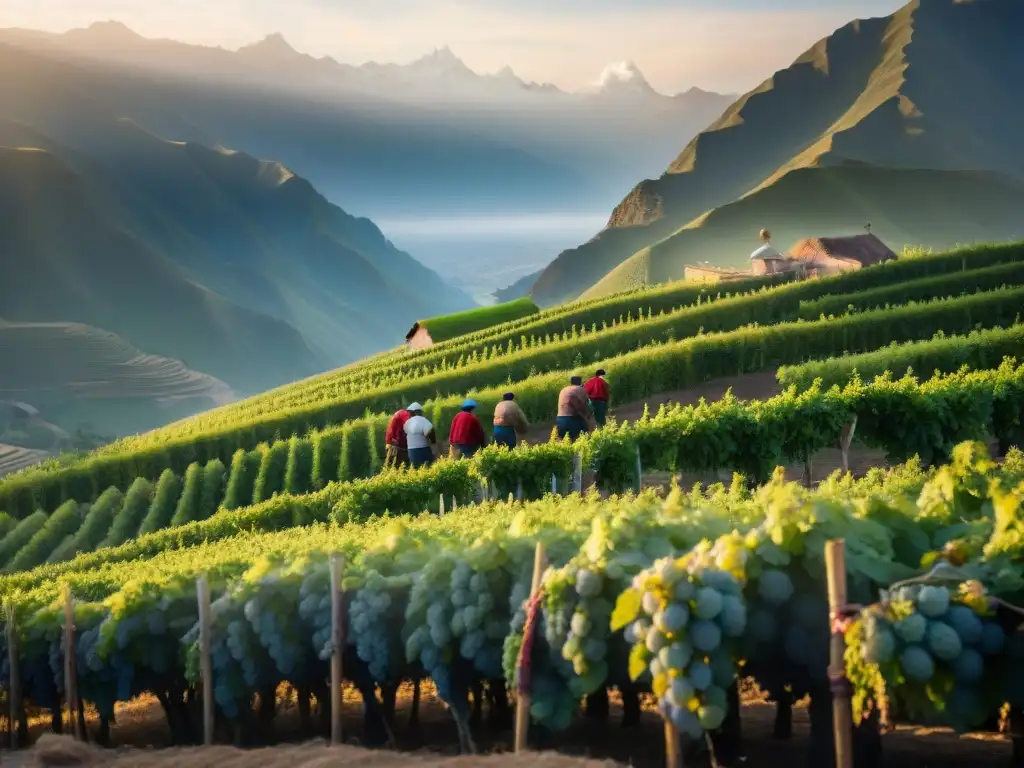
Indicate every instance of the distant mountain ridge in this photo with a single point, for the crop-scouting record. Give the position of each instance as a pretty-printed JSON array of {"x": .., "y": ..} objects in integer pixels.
[
  {"x": 235, "y": 266},
  {"x": 933, "y": 86},
  {"x": 115, "y": 41},
  {"x": 428, "y": 138}
]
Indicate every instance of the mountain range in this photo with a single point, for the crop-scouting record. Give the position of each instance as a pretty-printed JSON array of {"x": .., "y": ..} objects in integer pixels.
[
  {"x": 909, "y": 122},
  {"x": 428, "y": 137}
]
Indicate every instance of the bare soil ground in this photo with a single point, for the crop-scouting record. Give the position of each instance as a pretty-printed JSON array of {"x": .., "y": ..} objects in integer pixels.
[{"x": 141, "y": 739}]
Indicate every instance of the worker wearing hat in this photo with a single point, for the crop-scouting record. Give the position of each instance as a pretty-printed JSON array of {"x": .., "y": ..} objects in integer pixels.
[
  {"x": 419, "y": 436},
  {"x": 509, "y": 421},
  {"x": 467, "y": 434}
]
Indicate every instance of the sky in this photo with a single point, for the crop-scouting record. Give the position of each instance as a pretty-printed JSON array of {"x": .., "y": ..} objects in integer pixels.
[{"x": 724, "y": 45}]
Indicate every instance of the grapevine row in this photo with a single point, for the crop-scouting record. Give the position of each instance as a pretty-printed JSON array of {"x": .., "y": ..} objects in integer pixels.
[
  {"x": 904, "y": 417},
  {"x": 643, "y": 594},
  {"x": 658, "y": 368}
]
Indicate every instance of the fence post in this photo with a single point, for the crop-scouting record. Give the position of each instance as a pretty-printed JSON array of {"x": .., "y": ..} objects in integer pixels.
[
  {"x": 807, "y": 472},
  {"x": 554, "y": 483},
  {"x": 519, "y": 491},
  {"x": 441, "y": 507},
  {"x": 14, "y": 677},
  {"x": 845, "y": 440},
  {"x": 205, "y": 657},
  {"x": 70, "y": 665},
  {"x": 523, "y": 694},
  {"x": 639, "y": 471},
  {"x": 673, "y": 753},
  {"x": 842, "y": 712},
  {"x": 337, "y": 645},
  {"x": 577, "y": 473}
]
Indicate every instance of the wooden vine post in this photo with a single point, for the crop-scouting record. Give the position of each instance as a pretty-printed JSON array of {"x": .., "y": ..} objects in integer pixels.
[
  {"x": 639, "y": 471},
  {"x": 519, "y": 491},
  {"x": 673, "y": 750},
  {"x": 577, "y": 473},
  {"x": 14, "y": 676},
  {"x": 522, "y": 665},
  {"x": 554, "y": 483},
  {"x": 337, "y": 645},
  {"x": 441, "y": 506},
  {"x": 205, "y": 657},
  {"x": 844, "y": 442},
  {"x": 842, "y": 710},
  {"x": 70, "y": 664}
]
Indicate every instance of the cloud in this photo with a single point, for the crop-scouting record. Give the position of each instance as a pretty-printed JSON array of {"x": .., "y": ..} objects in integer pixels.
[{"x": 723, "y": 44}]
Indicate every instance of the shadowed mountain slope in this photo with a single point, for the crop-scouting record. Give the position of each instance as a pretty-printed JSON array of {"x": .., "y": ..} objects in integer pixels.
[
  {"x": 927, "y": 207},
  {"x": 934, "y": 86}
]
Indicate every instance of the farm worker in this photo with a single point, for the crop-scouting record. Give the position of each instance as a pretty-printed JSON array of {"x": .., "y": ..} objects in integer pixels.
[
  {"x": 509, "y": 421},
  {"x": 574, "y": 417},
  {"x": 597, "y": 391},
  {"x": 397, "y": 447},
  {"x": 419, "y": 436},
  {"x": 467, "y": 434}
]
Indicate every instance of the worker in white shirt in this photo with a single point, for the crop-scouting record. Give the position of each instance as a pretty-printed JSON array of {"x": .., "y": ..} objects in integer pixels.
[{"x": 420, "y": 437}]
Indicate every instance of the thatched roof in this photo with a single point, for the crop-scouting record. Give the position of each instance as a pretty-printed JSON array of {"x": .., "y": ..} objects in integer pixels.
[{"x": 865, "y": 250}]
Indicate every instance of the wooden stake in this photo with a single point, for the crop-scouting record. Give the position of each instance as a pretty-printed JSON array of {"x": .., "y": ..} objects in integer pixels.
[
  {"x": 554, "y": 484},
  {"x": 205, "y": 658},
  {"x": 845, "y": 440},
  {"x": 807, "y": 472},
  {"x": 519, "y": 491},
  {"x": 455, "y": 503},
  {"x": 639, "y": 471},
  {"x": 70, "y": 666},
  {"x": 577, "y": 473},
  {"x": 523, "y": 704},
  {"x": 441, "y": 507},
  {"x": 673, "y": 752},
  {"x": 337, "y": 645},
  {"x": 842, "y": 712},
  {"x": 14, "y": 676}
]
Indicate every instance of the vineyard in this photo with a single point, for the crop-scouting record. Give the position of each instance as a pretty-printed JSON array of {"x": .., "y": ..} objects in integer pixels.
[{"x": 668, "y": 598}]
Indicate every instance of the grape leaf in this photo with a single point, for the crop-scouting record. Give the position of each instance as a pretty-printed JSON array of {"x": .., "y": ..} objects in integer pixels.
[{"x": 627, "y": 608}]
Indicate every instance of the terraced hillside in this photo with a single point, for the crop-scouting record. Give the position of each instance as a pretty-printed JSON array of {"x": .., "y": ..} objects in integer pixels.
[
  {"x": 256, "y": 494},
  {"x": 651, "y": 342},
  {"x": 77, "y": 374},
  {"x": 911, "y": 99},
  {"x": 14, "y": 458}
]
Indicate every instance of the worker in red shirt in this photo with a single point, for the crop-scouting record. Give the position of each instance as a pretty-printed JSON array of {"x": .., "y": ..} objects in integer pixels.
[
  {"x": 597, "y": 391},
  {"x": 467, "y": 433},
  {"x": 396, "y": 450}
]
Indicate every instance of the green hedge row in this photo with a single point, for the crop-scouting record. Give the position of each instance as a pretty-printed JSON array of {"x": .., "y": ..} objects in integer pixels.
[
  {"x": 923, "y": 289},
  {"x": 664, "y": 298},
  {"x": 903, "y": 417},
  {"x": 636, "y": 375},
  {"x": 977, "y": 350}
]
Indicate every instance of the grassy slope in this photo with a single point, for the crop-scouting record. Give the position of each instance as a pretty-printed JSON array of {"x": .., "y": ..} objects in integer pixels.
[
  {"x": 458, "y": 324},
  {"x": 924, "y": 207},
  {"x": 932, "y": 86}
]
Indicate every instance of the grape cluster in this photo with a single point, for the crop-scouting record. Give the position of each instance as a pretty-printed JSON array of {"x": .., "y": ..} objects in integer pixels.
[
  {"x": 689, "y": 614},
  {"x": 936, "y": 654}
]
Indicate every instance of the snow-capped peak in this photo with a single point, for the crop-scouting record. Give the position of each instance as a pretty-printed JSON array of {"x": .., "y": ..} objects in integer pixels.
[{"x": 621, "y": 77}]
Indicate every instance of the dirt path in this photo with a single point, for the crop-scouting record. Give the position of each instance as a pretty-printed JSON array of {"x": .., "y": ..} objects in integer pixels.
[{"x": 140, "y": 728}]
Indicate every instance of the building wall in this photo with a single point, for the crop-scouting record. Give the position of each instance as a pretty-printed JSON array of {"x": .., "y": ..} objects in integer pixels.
[
  {"x": 824, "y": 265},
  {"x": 421, "y": 339},
  {"x": 699, "y": 274}
]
